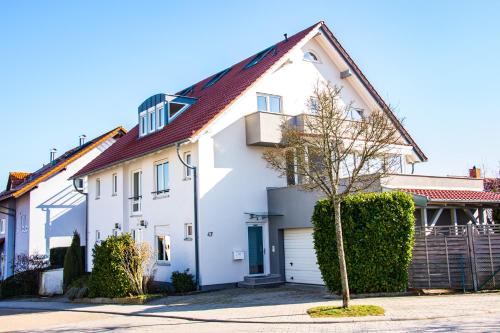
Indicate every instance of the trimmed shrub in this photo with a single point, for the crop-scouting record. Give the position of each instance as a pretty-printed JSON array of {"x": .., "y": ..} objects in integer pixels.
[
  {"x": 108, "y": 277},
  {"x": 183, "y": 282},
  {"x": 73, "y": 262},
  {"x": 378, "y": 240},
  {"x": 57, "y": 255}
]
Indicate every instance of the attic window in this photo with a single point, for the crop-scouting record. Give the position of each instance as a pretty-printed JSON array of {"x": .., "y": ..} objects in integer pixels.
[
  {"x": 260, "y": 56},
  {"x": 310, "y": 56},
  {"x": 216, "y": 78},
  {"x": 174, "y": 109},
  {"x": 186, "y": 91}
]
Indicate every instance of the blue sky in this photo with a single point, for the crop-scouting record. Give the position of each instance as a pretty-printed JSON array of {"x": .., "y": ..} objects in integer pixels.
[{"x": 73, "y": 67}]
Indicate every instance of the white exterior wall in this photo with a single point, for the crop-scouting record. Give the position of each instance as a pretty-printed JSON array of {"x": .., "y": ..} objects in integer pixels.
[
  {"x": 164, "y": 214},
  {"x": 234, "y": 177}
]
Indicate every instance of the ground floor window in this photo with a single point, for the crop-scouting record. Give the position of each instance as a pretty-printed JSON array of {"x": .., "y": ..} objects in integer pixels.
[
  {"x": 188, "y": 231},
  {"x": 163, "y": 248},
  {"x": 137, "y": 235}
]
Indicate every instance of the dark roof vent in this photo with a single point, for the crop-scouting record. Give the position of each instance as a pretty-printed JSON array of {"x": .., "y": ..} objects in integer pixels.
[
  {"x": 286, "y": 37},
  {"x": 53, "y": 152}
]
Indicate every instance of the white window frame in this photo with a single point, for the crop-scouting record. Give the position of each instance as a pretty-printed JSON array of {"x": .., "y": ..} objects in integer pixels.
[
  {"x": 98, "y": 188},
  {"x": 188, "y": 172},
  {"x": 160, "y": 117},
  {"x": 188, "y": 231},
  {"x": 3, "y": 224},
  {"x": 268, "y": 103},
  {"x": 136, "y": 200},
  {"x": 170, "y": 118},
  {"x": 143, "y": 123},
  {"x": 163, "y": 191},
  {"x": 98, "y": 236},
  {"x": 24, "y": 223},
  {"x": 166, "y": 249},
  {"x": 315, "y": 54},
  {"x": 80, "y": 184},
  {"x": 151, "y": 120},
  {"x": 114, "y": 184},
  {"x": 137, "y": 235}
]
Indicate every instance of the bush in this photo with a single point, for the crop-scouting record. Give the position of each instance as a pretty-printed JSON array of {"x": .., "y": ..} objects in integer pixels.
[
  {"x": 378, "y": 240},
  {"x": 108, "y": 277},
  {"x": 183, "y": 282},
  {"x": 73, "y": 262},
  {"x": 26, "y": 278}
]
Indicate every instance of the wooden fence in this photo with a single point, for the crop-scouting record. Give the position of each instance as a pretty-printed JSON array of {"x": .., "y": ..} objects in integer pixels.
[{"x": 456, "y": 257}]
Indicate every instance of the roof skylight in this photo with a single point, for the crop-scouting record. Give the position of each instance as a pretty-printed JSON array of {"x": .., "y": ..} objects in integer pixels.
[
  {"x": 216, "y": 78},
  {"x": 259, "y": 56},
  {"x": 186, "y": 91}
]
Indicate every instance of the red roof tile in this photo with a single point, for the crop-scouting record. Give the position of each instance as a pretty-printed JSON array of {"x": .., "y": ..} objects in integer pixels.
[
  {"x": 16, "y": 178},
  {"x": 455, "y": 195},
  {"x": 210, "y": 102}
]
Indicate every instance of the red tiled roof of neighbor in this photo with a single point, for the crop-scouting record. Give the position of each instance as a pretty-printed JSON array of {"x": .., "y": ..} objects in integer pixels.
[
  {"x": 211, "y": 101},
  {"x": 48, "y": 170},
  {"x": 455, "y": 195},
  {"x": 16, "y": 178}
]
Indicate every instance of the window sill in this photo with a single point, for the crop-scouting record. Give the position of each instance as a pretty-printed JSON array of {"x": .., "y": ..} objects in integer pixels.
[
  {"x": 163, "y": 263},
  {"x": 136, "y": 214},
  {"x": 188, "y": 239},
  {"x": 186, "y": 178},
  {"x": 98, "y": 198},
  {"x": 161, "y": 196},
  {"x": 114, "y": 194}
]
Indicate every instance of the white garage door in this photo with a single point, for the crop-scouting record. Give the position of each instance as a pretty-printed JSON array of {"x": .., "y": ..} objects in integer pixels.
[{"x": 300, "y": 257}]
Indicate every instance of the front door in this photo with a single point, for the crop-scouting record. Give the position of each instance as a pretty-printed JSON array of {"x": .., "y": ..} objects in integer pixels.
[{"x": 255, "y": 250}]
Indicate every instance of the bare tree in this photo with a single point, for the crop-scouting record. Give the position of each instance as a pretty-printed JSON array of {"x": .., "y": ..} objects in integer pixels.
[
  {"x": 138, "y": 265},
  {"x": 336, "y": 149}
]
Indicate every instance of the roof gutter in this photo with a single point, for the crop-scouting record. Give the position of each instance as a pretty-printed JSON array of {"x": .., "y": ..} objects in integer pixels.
[{"x": 195, "y": 205}]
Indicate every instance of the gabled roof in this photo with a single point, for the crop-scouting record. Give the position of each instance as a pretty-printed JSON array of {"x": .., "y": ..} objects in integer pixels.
[
  {"x": 214, "y": 99},
  {"x": 25, "y": 182},
  {"x": 456, "y": 196},
  {"x": 16, "y": 178}
]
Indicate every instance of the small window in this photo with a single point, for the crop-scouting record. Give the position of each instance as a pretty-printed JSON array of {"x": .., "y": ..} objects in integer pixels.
[
  {"x": 97, "y": 236},
  {"x": 152, "y": 121},
  {"x": 79, "y": 183},
  {"x": 160, "y": 117},
  {"x": 161, "y": 177},
  {"x": 136, "y": 192},
  {"x": 313, "y": 106},
  {"x": 259, "y": 56},
  {"x": 188, "y": 231},
  {"x": 24, "y": 223},
  {"x": 268, "y": 103},
  {"x": 137, "y": 235},
  {"x": 97, "y": 188},
  {"x": 144, "y": 124},
  {"x": 188, "y": 172},
  {"x": 2, "y": 226},
  {"x": 116, "y": 232},
  {"x": 216, "y": 78},
  {"x": 114, "y": 180},
  {"x": 162, "y": 248},
  {"x": 175, "y": 109},
  {"x": 310, "y": 56}
]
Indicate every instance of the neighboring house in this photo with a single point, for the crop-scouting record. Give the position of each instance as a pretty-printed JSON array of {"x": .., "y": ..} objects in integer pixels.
[
  {"x": 40, "y": 210},
  {"x": 215, "y": 220}
]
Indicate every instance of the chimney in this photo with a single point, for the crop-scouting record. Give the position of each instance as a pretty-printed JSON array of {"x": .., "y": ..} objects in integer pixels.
[
  {"x": 286, "y": 37},
  {"x": 53, "y": 152},
  {"x": 475, "y": 172},
  {"x": 82, "y": 139}
]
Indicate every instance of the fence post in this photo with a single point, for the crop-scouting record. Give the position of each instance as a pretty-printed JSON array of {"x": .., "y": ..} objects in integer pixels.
[{"x": 472, "y": 254}]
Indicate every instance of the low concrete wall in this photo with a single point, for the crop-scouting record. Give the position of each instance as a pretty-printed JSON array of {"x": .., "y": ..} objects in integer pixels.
[{"x": 51, "y": 282}]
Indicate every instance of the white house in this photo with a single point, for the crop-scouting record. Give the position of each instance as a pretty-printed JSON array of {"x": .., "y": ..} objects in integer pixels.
[
  {"x": 213, "y": 216},
  {"x": 40, "y": 210}
]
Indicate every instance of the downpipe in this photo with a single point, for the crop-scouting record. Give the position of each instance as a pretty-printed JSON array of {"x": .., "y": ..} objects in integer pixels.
[
  {"x": 86, "y": 223},
  {"x": 195, "y": 204}
]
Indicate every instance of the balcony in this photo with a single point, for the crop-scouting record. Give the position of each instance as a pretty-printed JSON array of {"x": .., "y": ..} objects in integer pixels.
[{"x": 263, "y": 128}]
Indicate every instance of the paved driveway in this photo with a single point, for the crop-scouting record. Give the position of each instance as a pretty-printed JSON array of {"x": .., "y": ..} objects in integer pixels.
[{"x": 272, "y": 310}]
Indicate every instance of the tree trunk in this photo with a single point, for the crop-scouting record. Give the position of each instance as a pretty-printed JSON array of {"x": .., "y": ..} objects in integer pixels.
[{"x": 340, "y": 252}]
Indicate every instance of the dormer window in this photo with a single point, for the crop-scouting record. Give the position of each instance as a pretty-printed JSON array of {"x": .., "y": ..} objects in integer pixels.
[{"x": 159, "y": 110}]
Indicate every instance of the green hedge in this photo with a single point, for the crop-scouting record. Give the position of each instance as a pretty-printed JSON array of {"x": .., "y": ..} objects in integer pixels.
[
  {"x": 73, "y": 262},
  {"x": 378, "y": 240},
  {"x": 57, "y": 255},
  {"x": 183, "y": 282},
  {"x": 108, "y": 278}
]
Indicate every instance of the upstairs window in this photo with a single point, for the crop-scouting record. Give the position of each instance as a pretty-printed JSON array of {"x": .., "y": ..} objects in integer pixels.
[
  {"x": 161, "y": 177},
  {"x": 310, "y": 56},
  {"x": 188, "y": 172},
  {"x": 259, "y": 56},
  {"x": 174, "y": 109},
  {"x": 2, "y": 226},
  {"x": 216, "y": 78},
  {"x": 152, "y": 121},
  {"x": 143, "y": 124},
  {"x": 136, "y": 192},
  {"x": 114, "y": 186},
  {"x": 186, "y": 91},
  {"x": 268, "y": 103},
  {"x": 97, "y": 188}
]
